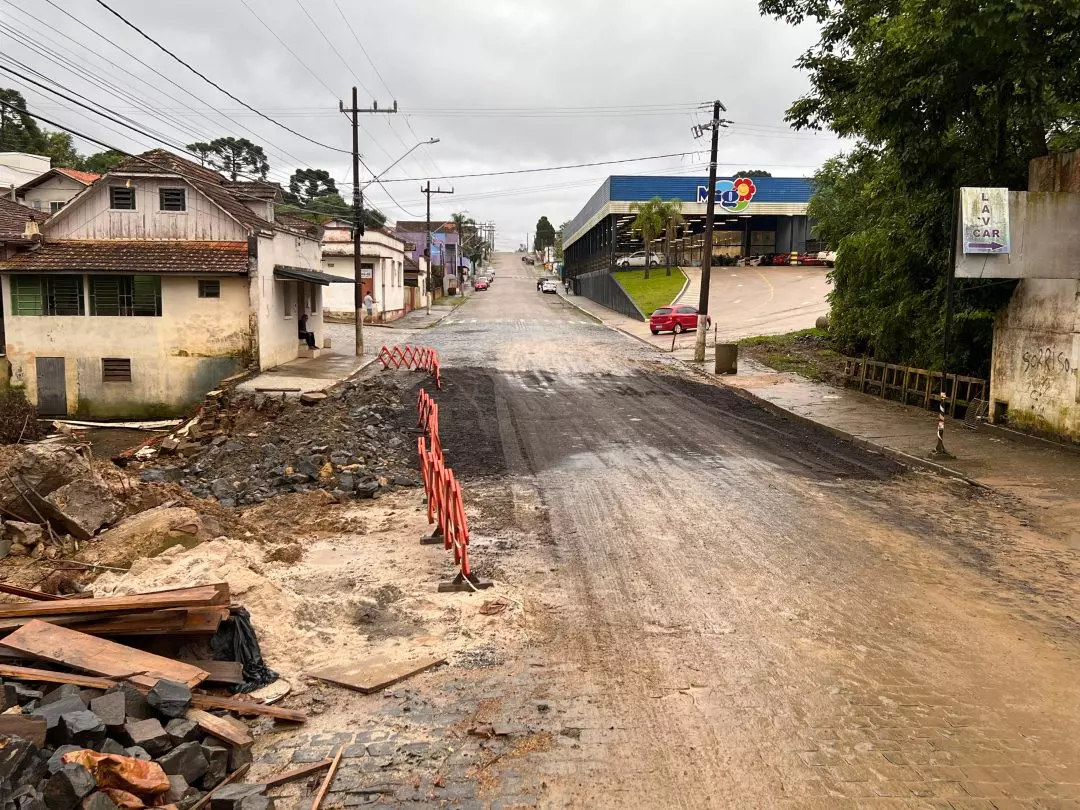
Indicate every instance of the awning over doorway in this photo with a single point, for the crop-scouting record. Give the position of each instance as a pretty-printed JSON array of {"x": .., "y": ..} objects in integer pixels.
[{"x": 312, "y": 276}]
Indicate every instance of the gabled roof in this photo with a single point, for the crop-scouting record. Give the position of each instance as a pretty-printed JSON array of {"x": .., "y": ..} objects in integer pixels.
[
  {"x": 137, "y": 257},
  {"x": 209, "y": 182},
  {"x": 257, "y": 189},
  {"x": 13, "y": 219},
  {"x": 291, "y": 222},
  {"x": 86, "y": 178}
]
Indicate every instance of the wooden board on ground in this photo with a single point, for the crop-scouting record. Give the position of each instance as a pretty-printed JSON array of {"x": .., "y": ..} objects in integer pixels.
[
  {"x": 15, "y": 590},
  {"x": 32, "y": 675},
  {"x": 297, "y": 773},
  {"x": 99, "y": 656},
  {"x": 181, "y": 621},
  {"x": 201, "y": 596},
  {"x": 228, "y": 729},
  {"x": 21, "y": 725},
  {"x": 227, "y": 672},
  {"x": 375, "y": 673}
]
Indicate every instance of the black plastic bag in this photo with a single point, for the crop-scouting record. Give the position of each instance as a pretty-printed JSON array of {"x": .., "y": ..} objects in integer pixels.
[{"x": 235, "y": 640}]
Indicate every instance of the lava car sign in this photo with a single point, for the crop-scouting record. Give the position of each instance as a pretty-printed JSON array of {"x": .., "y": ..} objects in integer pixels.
[{"x": 985, "y": 219}]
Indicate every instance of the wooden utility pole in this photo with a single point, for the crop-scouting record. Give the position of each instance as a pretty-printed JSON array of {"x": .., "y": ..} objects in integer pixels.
[
  {"x": 358, "y": 213},
  {"x": 710, "y": 219},
  {"x": 428, "y": 190}
]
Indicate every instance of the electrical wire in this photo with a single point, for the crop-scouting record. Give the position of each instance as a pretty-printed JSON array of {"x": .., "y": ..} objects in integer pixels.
[{"x": 214, "y": 84}]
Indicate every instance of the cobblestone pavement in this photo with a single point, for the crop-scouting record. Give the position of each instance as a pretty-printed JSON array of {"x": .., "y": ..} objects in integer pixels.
[{"x": 724, "y": 609}]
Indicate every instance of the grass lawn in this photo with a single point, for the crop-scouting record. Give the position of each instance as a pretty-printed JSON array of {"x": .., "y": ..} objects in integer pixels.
[
  {"x": 657, "y": 291},
  {"x": 806, "y": 352}
]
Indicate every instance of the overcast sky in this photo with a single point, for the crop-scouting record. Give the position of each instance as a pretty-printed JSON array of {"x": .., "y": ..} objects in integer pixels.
[{"x": 504, "y": 85}]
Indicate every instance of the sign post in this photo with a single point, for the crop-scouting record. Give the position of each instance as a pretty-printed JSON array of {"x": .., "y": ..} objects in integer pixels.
[{"x": 985, "y": 213}]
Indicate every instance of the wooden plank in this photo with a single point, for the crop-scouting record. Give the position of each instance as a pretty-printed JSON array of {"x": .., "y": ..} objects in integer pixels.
[
  {"x": 182, "y": 621},
  {"x": 325, "y": 786},
  {"x": 231, "y": 731},
  {"x": 15, "y": 590},
  {"x": 297, "y": 773},
  {"x": 98, "y": 655},
  {"x": 232, "y": 777},
  {"x": 227, "y": 672},
  {"x": 48, "y": 676},
  {"x": 201, "y": 701},
  {"x": 375, "y": 673},
  {"x": 187, "y": 597},
  {"x": 22, "y": 725}
]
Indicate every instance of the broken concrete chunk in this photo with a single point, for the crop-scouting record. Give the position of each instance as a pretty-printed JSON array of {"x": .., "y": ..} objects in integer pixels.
[
  {"x": 217, "y": 758},
  {"x": 239, "y": 756},
  {"x": 182, "y": 730},
  {"x": 27, "y": 535},
  {"x": 55, "y": 762},
  {"x": 149, "y": 533},
  {"x": 82, "y": 507},
  {"x": 237, "y": 797},
  {"x": 21, "y": 763},
  {"x": 68, "y": 786},
  {"x": 178, "y": 789},
  {"x": 24, "y": 694},
  {"x": 134, "y": 702},
  {"x": 64, "y": 690},
  {"x": 28, "y": 798},
  {"x": 42, "y": 469},
  {"x": 312, "y": 397},
  {"x": 149, "y": 735},
  {"x": 82, "y": 728},
  {"x": 169, "y": 698},
  {"x": 53, "y": 711},
  {"x": 138, "y": 752},
  {"x": 187, "y": 760},
  {"x": 111, "y": 746}
]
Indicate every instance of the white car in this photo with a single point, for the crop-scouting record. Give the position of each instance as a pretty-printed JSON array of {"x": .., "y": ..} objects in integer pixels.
[
  {"x": 549, "y": 285},
  {"x": 828, "y": 257},
  {"x": 638, "y": 260}
]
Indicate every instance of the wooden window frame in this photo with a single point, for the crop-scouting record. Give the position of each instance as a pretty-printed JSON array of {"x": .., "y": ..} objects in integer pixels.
[
  {"x": 126, "y": 190},
  {"x": 172, "y": 189},
  {"x": 126, "y": 299}
]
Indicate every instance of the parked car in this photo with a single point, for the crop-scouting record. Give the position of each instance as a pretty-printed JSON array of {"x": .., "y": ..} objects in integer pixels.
[
  {"x": 638, "y": 260},
  {"x": 827, "y": 257},
  {"x": 549, "y": 285},
  {"x": 811, "y": 260},
  {"x": 675, "y": 319},
  {"x": 480, "y": 284}
]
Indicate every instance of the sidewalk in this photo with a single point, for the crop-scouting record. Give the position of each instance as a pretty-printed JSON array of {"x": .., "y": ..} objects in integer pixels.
[{"x": 1045, "y": 477}]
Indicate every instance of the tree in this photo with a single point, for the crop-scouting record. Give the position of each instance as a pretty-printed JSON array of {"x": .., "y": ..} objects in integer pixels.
[
  {"x": 545, "y": 234},
  {"x": 942, "y": 96},
  {"x": 649, "y": 222},
  {"x": 752, "y": 173},
  {"x": 60, "y": 148},
  {"x": 560, "y": 239},
  {"x": 233, "y": 156},
  {"x": 671, "y": 213},
  {"x": 19, "y": 132},
  {"x": 101, "y": 162},
  {"x": 307, "y": 184}
]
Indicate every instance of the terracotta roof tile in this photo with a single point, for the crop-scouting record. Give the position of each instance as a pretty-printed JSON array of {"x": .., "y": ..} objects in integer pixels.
[
  {"x": 13, "y": 219},
  {"x": 149, "y": 257},
  {"x": 447, "y": 226},
  {"x": 82, "y": 177}
]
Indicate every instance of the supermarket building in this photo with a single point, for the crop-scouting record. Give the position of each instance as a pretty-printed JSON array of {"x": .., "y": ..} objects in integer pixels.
[{"x": 754, "y": 215}]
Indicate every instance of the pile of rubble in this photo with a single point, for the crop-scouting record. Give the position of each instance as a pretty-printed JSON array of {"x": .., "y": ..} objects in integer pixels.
[
  {"x": 136, "y": 732},
  {"x": 249, "y": 447}
]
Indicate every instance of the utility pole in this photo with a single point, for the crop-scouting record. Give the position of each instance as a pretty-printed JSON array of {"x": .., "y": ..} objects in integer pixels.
[
  {"x": 358, "y": 212},
  {"x": 710, "y": 218},
  {"x": 427, "y": 250}
]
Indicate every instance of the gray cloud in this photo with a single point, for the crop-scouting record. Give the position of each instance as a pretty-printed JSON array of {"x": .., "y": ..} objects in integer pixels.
[{"x": 455, "y": 72}]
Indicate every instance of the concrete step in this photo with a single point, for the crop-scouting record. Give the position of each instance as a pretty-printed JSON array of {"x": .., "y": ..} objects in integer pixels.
[{"x": 305, "y": 352}]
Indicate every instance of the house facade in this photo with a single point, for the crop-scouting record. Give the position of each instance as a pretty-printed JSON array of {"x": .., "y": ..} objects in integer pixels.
[
  {"x": 51, "y": 191},
  {"x": 383, "y": 270},
  {"x": 156, "y": 282},
  {"x": 17, "y": 168},
  {"x": 445, "y": 248}
]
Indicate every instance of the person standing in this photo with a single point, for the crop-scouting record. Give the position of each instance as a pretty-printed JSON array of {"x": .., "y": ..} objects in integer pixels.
[{"x": 369, "y": 305}]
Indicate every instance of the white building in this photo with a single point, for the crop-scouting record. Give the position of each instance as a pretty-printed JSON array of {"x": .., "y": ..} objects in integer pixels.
[
  {"x": 54, "y": 189},
  {"x": 384, "y": 273},
  {"x": 151, "y": 286},
  {"x": 17, "y": 168}
]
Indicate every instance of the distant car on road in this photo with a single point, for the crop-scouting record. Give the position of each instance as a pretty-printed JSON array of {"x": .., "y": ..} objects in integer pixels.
[
  {"x": 549, "y": 285},
  {"x": 480, "y": 284},
  {"x": 675, "y": 319},
  {"x": 638, "y": 260}
]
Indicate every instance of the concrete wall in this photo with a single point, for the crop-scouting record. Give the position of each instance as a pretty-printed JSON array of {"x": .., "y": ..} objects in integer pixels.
[
  {"x": 175, "y": 358},
  {"x": 56, "y": 189},
  {"x": 93, "y": 219},
  {"x": 1035, "y": 371},
  {"x": 278, "y": 303},
  {"x": 386, "y": 256}
]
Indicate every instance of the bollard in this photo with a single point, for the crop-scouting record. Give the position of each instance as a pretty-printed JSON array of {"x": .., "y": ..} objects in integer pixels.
[{"x": 727, "y": 358}]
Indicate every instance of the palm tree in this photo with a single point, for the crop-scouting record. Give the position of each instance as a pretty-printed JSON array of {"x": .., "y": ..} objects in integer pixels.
[
  {"x": 649, "y": 222},
  {"x": 673, "y": 218}
]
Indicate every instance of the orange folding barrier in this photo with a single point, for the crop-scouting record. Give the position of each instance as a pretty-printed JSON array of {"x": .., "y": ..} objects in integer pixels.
[{"x": 415, "y": 358}]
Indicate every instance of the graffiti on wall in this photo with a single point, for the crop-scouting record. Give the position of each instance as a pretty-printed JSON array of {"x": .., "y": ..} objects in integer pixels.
[{"x": 1044, "y": 369}]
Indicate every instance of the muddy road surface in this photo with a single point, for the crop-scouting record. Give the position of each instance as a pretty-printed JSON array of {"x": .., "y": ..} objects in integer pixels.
[{"x": 727, "y": 609}]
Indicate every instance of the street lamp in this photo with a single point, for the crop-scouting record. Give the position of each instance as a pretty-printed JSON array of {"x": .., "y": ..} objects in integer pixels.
[{"x": 375, "y": 179}]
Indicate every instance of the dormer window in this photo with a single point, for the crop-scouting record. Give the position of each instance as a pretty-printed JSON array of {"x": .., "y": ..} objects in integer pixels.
[
  {"x": 173, "y": 199},
  {"x": 122, "y": 198}
]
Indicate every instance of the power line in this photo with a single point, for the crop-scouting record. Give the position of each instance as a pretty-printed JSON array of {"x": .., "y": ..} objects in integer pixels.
[
  {"x": 545, "y": 168},
  {"x": 212, "y": 83},
  {"x": 333, "y": 47}
]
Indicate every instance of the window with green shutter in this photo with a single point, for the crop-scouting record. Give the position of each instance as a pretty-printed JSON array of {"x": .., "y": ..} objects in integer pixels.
[
  {"x": 47, "y": 295},
  {"x": 125, "y": 295}
]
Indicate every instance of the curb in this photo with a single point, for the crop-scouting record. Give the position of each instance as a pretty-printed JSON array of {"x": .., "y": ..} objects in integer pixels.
[
  {"x": 906, "y": 459},
  {"x": 682, "y": 292}
]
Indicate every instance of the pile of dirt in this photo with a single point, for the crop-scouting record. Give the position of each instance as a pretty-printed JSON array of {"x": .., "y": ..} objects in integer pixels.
[
  {"x": 357, "y": 442},
  {"x": 808, "y": 352}
]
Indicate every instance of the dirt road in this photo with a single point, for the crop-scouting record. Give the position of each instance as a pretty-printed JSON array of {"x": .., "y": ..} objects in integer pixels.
[{"x": 729, "y": 610}]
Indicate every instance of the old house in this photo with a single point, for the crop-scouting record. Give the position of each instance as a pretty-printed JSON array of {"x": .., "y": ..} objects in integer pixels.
[
  {"x": 54, "y": 189},
  {"x": 152, "y": 285},
  {"x": 446, "y": 258},
  {"x": 394, "y": 286}
]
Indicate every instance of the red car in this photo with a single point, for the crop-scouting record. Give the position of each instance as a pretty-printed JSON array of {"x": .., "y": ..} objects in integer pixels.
[
  {"x": 675, "y": 319},
  {"x": 480, "y": 284}
]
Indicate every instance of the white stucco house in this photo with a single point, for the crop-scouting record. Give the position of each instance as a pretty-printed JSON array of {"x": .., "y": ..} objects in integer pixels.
[
  {"x": 54, "y": 189},
  {"x": 17, "y": 168},
  {"x": 386, "y": 269},
  {"x": 153, "y": 284}
]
